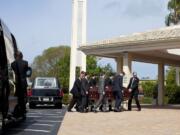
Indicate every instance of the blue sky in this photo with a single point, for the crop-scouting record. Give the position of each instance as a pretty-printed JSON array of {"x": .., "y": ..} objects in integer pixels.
[{"x": 39, "y": 24}]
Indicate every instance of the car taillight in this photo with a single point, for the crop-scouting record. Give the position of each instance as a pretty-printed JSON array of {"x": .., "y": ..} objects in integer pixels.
[
  {"x": 61, "y": 94},
  {"x": 29, "y": 93}
]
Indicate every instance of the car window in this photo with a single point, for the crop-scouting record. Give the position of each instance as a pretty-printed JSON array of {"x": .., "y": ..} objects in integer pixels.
[{"x": 46, "y": 83}]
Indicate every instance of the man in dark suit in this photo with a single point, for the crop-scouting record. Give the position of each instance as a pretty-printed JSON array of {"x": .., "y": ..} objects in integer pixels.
[
  {"x": 117, "y": 91},
  {"x": 84, "y": 93},
  {"x": 93, "y": 81},
  {"x": 76, "y": 93},
  {"x": 133, "y": 88},
  {"x": 20, "y": 68}
]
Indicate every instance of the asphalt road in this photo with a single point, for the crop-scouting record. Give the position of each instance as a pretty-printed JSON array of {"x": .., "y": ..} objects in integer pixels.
[{"x": 39, "y": 121}]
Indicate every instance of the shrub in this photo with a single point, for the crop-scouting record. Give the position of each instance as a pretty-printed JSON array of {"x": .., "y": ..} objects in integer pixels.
[
  {"x": 149, "y": 87},
  {"x": 66, "y": 99},
  {"x": 170, "y": 90},
  {"x": 173, "y": 94}
]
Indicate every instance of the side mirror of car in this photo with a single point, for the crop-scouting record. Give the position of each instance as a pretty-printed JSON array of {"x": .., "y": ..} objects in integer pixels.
[{"x": 29, "y": 72}]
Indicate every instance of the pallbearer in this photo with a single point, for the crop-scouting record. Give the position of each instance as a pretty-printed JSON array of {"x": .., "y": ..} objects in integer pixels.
[
  {"x": 84, "y": 93},
  {"x": 76, "y": 93},
  {"x": 133, "y": 88},
  {"x": 101, "y": 91},
  {"x": 117, "y": 91}
]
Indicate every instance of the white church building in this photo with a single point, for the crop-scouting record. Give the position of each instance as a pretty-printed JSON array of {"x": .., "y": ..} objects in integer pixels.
[{"x": 160, "y": 46}]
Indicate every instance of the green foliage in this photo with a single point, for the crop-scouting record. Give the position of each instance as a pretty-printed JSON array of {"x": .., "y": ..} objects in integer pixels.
[
  {"x": 66, "y": 99},
  {"x": 93, "y": 68},
  {"x": 146, "y": 100},
  {"x": 55, "y": 61},
  {"x": 174, "y": 16},
  {"x": 171, "y": 89},
  {"x": 173, "y": 94},
  {"x": 149, "y": 88},
  {"x": 171, "y": 76},
  {"x": 64, "y": 68}
]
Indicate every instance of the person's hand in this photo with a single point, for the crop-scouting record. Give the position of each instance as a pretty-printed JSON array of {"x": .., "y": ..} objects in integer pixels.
[
  {"x": 130, "y": 90},
  {"x": 106, "y": 87},
  {"x": 91, "y": 87},
  {"x": 103, "y": 93},
  {"x": 86, "y": 92}
]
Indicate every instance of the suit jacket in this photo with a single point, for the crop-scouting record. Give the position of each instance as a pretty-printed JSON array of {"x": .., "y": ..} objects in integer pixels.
[
  {"x": 20, "y": 68},
  {"x": 118, "y": 83},
  {"x": 108, "y": 82},
  {"x": 133, "y": 83},
  {"x": 84, "y": 86},
  {"x": 92, "y": 82},
  {"x": 76, "y": 90}
]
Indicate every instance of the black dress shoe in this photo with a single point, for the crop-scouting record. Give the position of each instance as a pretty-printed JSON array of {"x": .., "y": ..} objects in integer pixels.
[
  {"x": 87, "y": 110},
  {"x": 117, "y": 110},
  {"x": 139, "y": 109},
  {"x": 110, "y": 109},
  {"x": 69, "y": 110}
]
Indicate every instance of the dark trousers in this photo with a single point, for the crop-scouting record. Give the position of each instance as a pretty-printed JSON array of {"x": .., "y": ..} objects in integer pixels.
[
  {"x": 135, "y": 95},
  {"x": 118, "y": 99},
  {"x": 84, "y": 102},
  {"x": 87, "y": 101},
  {"x": 22, "y": 103},
  {"x": 75, "y": 100},
  {"x": 22, "y": 99}
]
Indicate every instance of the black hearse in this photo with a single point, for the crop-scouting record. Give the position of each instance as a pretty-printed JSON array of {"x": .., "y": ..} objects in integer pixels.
[{"x": 8, "y": 101}]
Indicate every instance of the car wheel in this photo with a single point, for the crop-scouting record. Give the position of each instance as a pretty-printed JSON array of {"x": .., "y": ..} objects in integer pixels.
[{"x": 32, "y": 105}]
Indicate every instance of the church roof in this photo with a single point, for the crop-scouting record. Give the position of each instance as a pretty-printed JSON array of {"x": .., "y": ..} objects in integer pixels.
[{"x": 158, "y": 35}]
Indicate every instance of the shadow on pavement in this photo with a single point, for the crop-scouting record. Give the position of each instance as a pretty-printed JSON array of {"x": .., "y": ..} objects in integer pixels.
[{"x": 176, "y": 107}]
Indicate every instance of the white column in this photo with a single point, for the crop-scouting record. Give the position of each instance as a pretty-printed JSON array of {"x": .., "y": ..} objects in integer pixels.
[
  {"x": 78, "y": 58},
  {"x": 177, "y": 76},
  {"x": 119, "y": 62},
  {"x": 73, "y": 44},
  {"x": 127, "y": 63},
  {"x": 160, "y": 83},
  {"x": 84, "y": 33}
]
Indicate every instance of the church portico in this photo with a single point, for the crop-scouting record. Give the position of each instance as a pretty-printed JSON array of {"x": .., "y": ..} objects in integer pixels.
[{"x": 149, "y": 47}]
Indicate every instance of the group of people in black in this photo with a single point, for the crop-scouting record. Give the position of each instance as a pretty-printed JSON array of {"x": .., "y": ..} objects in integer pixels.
[{"x": 83, "y": 85}]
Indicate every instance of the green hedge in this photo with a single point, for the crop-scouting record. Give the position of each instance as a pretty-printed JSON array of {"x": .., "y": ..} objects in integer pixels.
[
  {"x": 146, "y": 100},
  {"x": 149, "y": 88},
  {"x": 173, "y": 94}
]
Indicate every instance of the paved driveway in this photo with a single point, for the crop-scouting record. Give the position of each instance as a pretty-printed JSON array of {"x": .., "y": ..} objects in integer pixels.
[
  {"x": 40, "y": 121},
  {"x": 150, "y": 121}
]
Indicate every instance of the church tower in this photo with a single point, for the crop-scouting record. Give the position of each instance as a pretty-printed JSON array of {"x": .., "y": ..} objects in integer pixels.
[{"x": 78, "y": 37}]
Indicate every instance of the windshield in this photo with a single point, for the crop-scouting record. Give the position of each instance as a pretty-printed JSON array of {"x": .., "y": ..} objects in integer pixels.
[{"x": 46, "y": 83}]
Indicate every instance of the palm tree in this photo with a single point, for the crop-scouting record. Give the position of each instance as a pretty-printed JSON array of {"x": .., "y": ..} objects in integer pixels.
[{"x": 174, "y": 16}]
